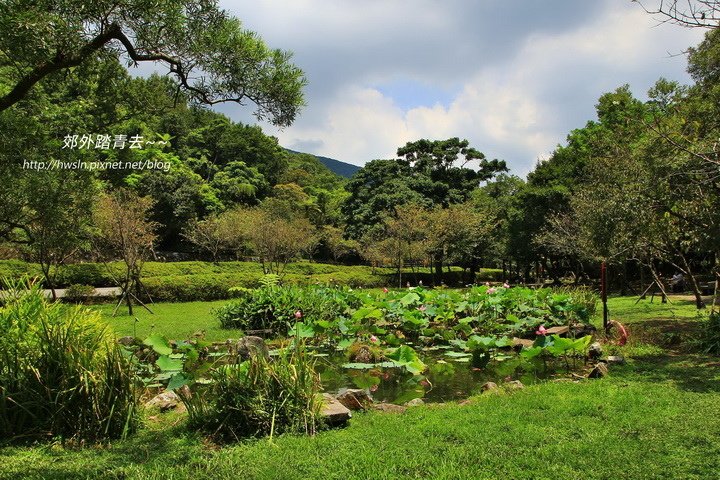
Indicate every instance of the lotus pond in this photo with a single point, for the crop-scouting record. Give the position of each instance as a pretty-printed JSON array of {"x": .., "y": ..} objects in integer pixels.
[{"x": 438, "y": 345}]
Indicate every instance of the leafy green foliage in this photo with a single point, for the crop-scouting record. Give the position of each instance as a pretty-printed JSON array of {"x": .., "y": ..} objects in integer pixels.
[
  {"x": 61, "y": 372},
  {"x": 406, "y": 357},
  {"x": 427, "y": 315},
  {"x": 425, "y": 174},
  {"x": 710, "y": 337},
  {"x": 259, "y": 397},
  {"x": 275, "y": 307}
]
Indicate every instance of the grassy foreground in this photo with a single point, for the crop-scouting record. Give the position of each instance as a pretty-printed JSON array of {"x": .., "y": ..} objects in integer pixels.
[{"x": 655, "y": 417}]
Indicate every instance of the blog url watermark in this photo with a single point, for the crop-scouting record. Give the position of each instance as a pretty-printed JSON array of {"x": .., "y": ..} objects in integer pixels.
[{"x": 96, "y": 165}]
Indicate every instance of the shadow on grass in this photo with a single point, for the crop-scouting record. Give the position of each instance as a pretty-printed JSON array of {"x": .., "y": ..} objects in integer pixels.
[
  {"x": 158, "y": 447},
  {"x": 695, "y": 373}
]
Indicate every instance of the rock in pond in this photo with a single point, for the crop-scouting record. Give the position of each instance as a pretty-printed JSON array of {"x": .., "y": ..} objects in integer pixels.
[
  {"x": 164, "y": 401},
  {"x": 519, "y": 343},
  {"x": 595, "y": 350},
  {"x": 126, "y": 341},
  {"x": 355, "y": 399},
  {"x": 489, "y": 387},
  {"x": 415, "y": 402},
  {"x": 251, "y": 346},
  {"x": 581, "y": 329},
  {"x": 514, "y": 385},
  {"x": 334, "y": 412},
  {"x": 560, "y": 330},
  {"x": 362, "y": 355},
  {"x": 615, "y": 360},
  {"x": 599, "y": 371}
]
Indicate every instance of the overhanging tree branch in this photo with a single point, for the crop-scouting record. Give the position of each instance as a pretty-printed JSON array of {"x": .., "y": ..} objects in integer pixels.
[{"x": 687, "y": 13}]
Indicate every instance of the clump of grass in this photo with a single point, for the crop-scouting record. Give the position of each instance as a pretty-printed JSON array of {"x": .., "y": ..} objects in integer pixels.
[
  {"x": 710, "y": 336},
  {"x": 259, "y": 397},
  {"x": 62, "y": 374}
]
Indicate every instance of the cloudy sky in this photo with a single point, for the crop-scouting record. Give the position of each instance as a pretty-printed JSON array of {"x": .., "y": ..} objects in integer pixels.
[{"x": 513, "y": 77}]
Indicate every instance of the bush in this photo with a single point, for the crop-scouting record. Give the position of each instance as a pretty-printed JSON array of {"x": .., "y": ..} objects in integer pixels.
[
  {"x": 583, "y": 302},
  {"x": 259, "y": 397},
  {"x": 489, "y": 275},
  {"x": 710, "y": 337},
  {"x": 185, "y": 288},
  {"x": 274, "y": 307},
  {"x": 78, "y": 293},
  {"x": 61, "y": 372}
]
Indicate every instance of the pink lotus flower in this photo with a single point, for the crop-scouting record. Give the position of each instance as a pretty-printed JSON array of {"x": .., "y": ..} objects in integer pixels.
[
  {"x": 541, "y": 330},
  {"x": 506, "y": 285},
  {"x": 491, "y": 290},
  {"x": 385, "y": 290},
  {"x": 422, "y": 308},
  {"x": 373, "y": 339},
  {"x": 298, "y": 314}
]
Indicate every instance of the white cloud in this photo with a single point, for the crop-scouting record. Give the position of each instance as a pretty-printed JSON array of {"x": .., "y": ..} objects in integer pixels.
[{"x": 528, "y": 75}]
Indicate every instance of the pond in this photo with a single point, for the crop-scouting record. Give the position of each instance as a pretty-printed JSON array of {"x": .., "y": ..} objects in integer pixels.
[
  {"x": 445, "y": 379},
  {"x": 442, "y": 372}
]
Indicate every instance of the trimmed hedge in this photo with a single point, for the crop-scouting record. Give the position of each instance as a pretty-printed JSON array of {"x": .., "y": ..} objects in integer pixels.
[{"x": 188, "y": 281}]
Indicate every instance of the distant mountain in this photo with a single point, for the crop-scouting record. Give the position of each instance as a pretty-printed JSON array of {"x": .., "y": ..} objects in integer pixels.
[{"x": 343, "y": 169}]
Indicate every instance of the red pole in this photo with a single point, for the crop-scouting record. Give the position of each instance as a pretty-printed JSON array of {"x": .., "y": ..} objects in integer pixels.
[{"x": 603, "y": 293}]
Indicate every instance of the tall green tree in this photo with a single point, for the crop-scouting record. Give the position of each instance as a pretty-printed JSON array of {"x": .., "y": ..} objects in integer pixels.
[
  {"x": 427, "y": 172},
  {"x": 212, "y": 58}
]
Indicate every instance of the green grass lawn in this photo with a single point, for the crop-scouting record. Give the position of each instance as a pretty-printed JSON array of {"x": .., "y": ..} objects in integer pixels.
[
  {"x": 655, "y": 417},
  {"x": 625, "y": 309},
  {"x": 176, "y": 321}
]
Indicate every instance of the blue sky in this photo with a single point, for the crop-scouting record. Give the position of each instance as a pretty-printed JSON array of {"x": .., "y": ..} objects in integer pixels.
[{"x": 511, "y": 76}]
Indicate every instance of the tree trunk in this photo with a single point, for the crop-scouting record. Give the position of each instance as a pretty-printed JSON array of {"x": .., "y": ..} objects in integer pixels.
[
  {"x": 438, "y": 264},
  {"x": 642, "y": 279},
  {"x": 699, "y": 303}
]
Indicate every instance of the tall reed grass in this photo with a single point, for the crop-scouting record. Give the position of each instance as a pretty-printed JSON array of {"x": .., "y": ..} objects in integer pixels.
[
  {"x": 62, "y": 373},
  {"x": 259, "y": 397}
]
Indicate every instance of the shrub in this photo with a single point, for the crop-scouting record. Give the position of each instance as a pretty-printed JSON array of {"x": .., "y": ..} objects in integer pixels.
[
  {"x": 185, "y": 288},
  {"x": 259, "y": 397},
  {"x": 710, "y": 337},
  {"x": 489, "y": 275},
  {"x": 274, "y": 307},
  {"x": 61, "y": 372},
  {"x": 78, "y": 293},
  {"x": 583, "y": 302}
]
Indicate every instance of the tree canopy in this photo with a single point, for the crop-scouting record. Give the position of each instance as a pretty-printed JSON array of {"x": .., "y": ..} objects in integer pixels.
[{"x": 208, "y": 53}]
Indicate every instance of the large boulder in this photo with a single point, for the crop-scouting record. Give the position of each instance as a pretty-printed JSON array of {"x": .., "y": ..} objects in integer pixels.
[{"x": 251, "y": 346}]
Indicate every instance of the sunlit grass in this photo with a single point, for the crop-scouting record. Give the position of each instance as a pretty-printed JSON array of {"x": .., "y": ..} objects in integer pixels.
[{"x": 174, "y": 320}]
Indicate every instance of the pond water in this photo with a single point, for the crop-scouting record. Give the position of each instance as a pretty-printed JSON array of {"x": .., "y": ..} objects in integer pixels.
[
  {"x": 446, "y": 378},
  {"x": 450, "y": 374}
]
